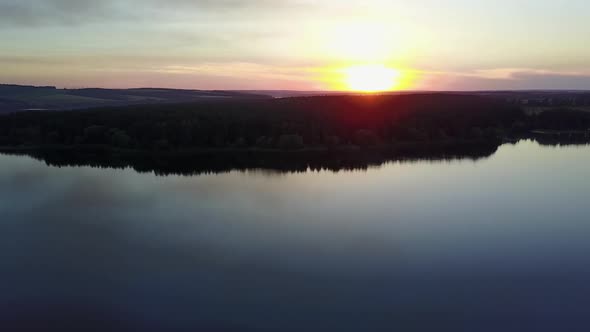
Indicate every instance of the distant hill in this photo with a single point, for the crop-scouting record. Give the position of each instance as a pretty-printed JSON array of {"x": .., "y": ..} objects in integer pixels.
[{"x": 14, "y": 98}]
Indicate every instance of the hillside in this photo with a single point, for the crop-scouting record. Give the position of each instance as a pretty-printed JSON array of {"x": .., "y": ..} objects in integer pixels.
[{"x": 15, "y": 98}]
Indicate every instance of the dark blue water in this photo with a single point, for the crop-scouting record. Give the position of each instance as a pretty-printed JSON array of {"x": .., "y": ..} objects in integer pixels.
[{"x": 501, "y": 244}]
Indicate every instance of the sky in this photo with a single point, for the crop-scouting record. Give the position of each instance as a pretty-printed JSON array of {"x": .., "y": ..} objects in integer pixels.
[{"x": 297, "y": 44}]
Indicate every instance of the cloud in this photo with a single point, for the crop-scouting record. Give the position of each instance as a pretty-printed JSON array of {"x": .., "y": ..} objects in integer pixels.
[
  {"x": 520, "y": 73},
  {"x": 36, "y": 13},
  {"x": 554, "y": 81},
  {"x": 507, "y": 79},
  {"x": 242, "y": 70}
]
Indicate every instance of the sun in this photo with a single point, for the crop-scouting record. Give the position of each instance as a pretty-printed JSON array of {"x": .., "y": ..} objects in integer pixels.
[{"x": 372, "y": 78}]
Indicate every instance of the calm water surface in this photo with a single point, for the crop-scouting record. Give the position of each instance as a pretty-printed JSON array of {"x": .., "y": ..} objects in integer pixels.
[{"x": 500, "y": 244}]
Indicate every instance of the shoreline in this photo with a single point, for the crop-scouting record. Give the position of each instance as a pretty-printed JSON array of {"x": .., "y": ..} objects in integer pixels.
[{"x": 405, "y": 147}]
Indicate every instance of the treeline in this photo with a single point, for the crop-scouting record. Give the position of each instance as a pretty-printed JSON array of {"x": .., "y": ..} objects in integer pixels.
[
  {"x": 560, "y": 119},
  {"x": 290, "y": 123}
]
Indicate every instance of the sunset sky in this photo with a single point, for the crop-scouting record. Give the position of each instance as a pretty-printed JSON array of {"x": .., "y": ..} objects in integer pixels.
[{"x": 297, "y": 44}]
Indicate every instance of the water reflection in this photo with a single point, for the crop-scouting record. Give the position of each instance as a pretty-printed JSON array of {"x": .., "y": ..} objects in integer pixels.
[
  {"x": 212, "y": 162},
  {"x": 462, "y": 245}
]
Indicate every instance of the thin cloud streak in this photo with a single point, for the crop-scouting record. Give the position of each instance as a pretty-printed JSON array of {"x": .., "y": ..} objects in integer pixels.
[{"x": 35, "y": 13}]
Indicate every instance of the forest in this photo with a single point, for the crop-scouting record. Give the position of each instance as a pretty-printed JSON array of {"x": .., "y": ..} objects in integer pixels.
[
  {"x": 285, "y": 124},
  {"x": 286, "y": 134}
]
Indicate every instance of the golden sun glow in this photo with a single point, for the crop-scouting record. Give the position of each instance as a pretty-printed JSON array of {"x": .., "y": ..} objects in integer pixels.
[
  {"x": 372, "y": 78},
  {"x": 361, "y": 42},
  {"x": 365, "y": 57}
]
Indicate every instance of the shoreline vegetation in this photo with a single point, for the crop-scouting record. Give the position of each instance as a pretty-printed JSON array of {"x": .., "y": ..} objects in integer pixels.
[
  {"x": 289, "y": 134},
  {"x": 212, "y": 161}
]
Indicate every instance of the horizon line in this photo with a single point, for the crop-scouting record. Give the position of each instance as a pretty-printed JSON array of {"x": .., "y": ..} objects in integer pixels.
[{"x": 294, "y": 91}]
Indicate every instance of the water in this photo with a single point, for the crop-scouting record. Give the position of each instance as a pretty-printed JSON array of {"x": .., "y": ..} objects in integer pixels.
[{"x": 499, "y": 244}]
